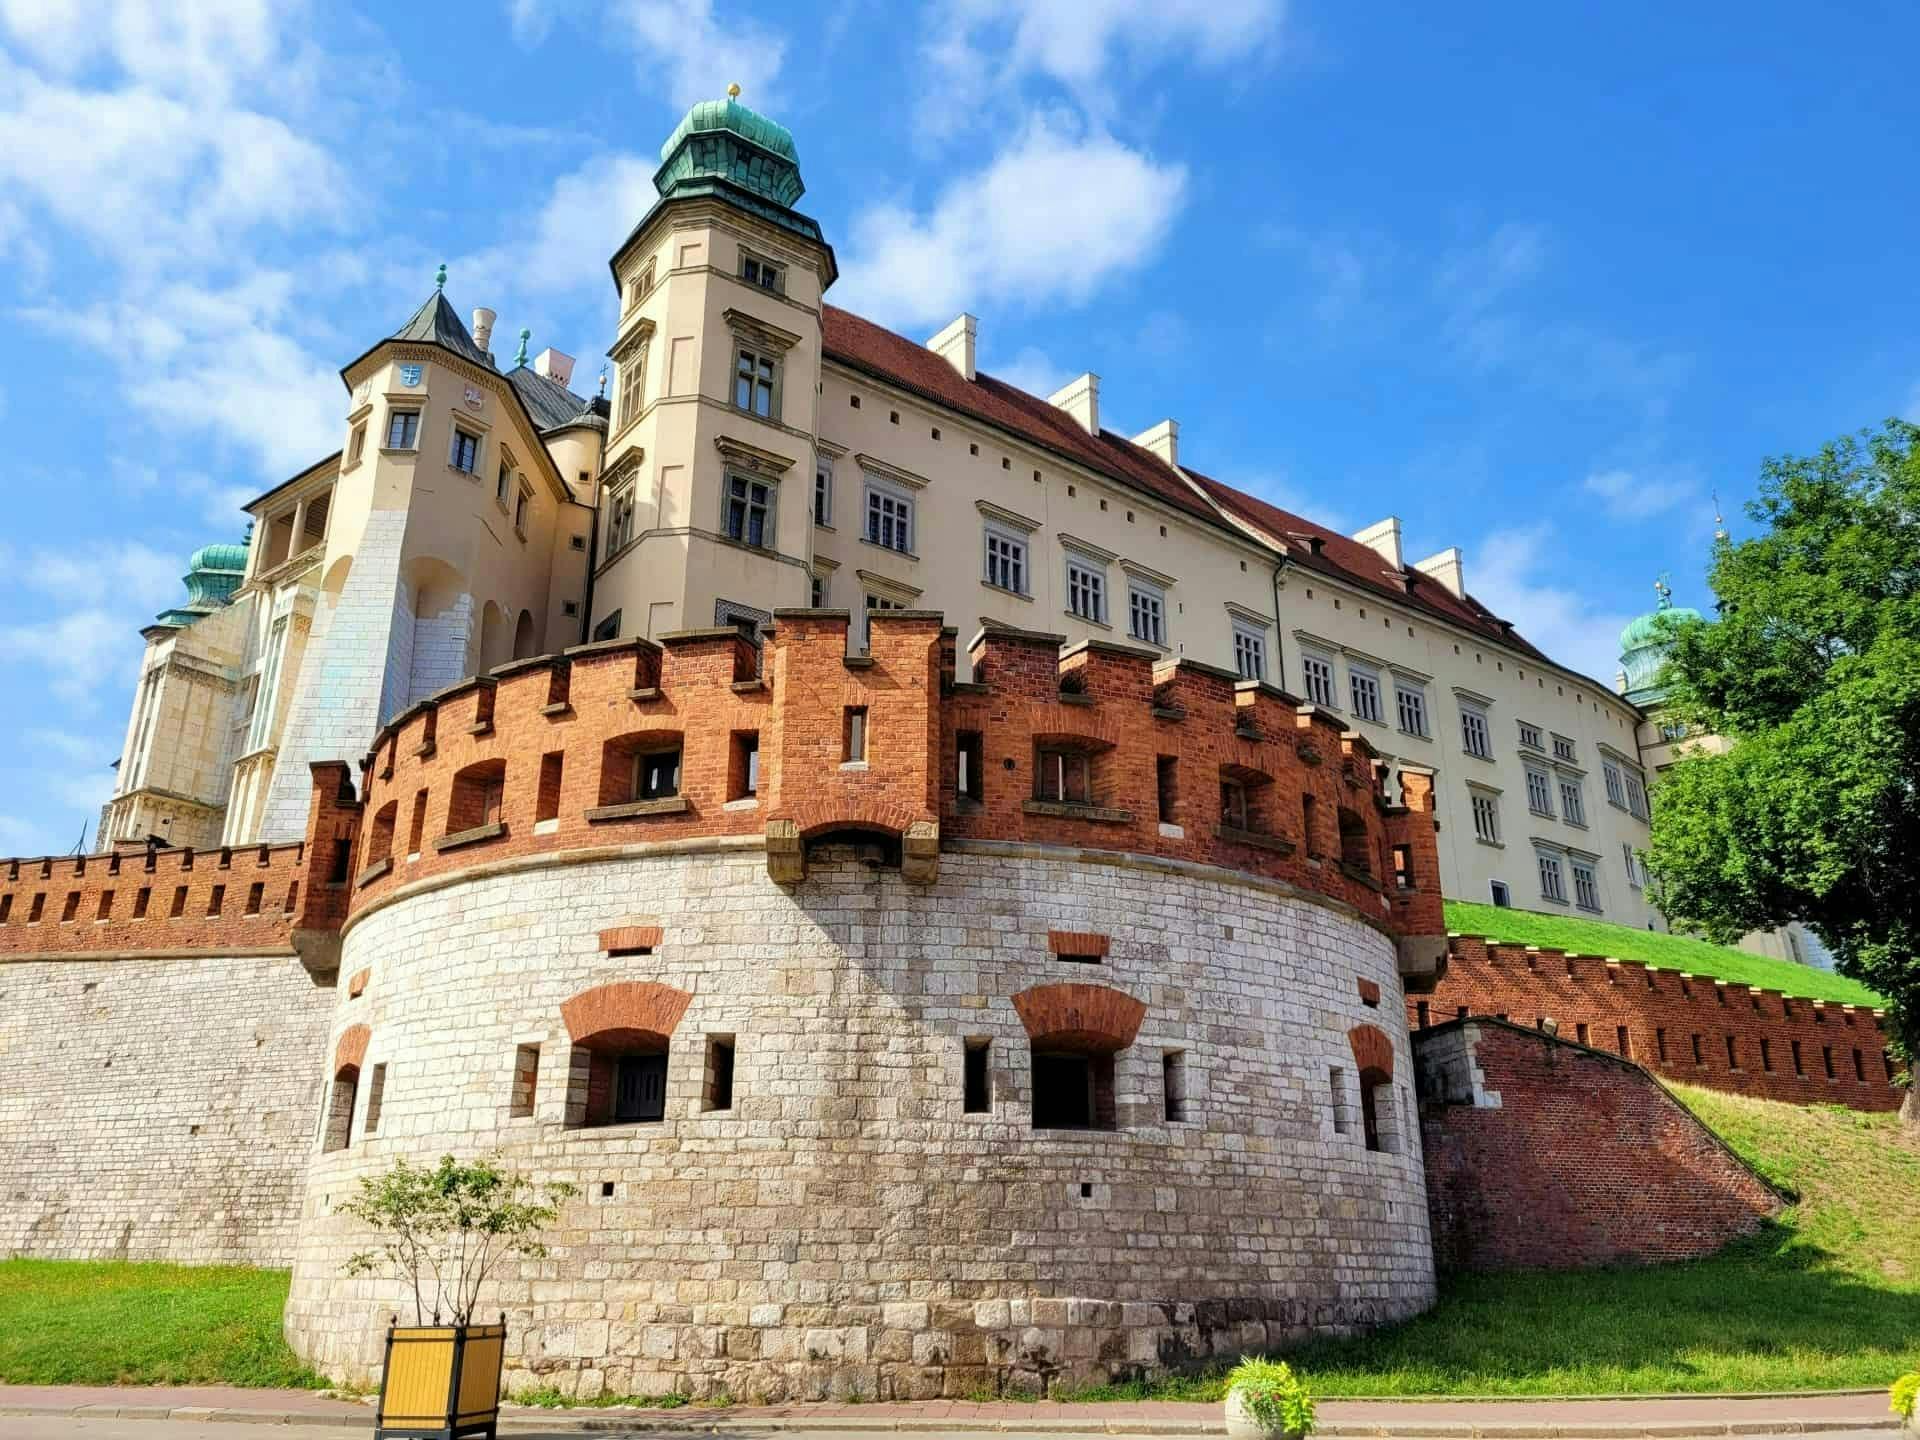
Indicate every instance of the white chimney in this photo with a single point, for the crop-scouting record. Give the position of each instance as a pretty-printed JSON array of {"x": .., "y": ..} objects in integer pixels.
[
  {"x": 1081, "y": 399},
  {"x": 1447, "y": 568},
  {"x": 1163, "y": 440},
  {"x": 1383, "y": 538},
  {"x": 483, "y": 319},
  {"x": 958, "y": 344},
  {"x": 554, "y": 365}
]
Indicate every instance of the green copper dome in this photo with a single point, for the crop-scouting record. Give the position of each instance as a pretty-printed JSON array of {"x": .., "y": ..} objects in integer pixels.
[
  {"x": 724, "y": 141},
  {"x": 214, "y": 572},
  {"x": 1644, "y": 644}
]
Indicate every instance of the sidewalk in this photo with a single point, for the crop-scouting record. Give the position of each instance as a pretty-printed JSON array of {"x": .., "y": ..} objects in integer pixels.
[{"x": 1602, "y": 1419}]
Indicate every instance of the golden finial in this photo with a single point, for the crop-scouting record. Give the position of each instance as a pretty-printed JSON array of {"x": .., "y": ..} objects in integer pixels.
[{"x": 733, "y": 91}]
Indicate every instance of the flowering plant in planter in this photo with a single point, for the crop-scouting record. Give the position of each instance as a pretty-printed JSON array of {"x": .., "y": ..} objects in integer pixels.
[{"x": 1266, "y": 1399}]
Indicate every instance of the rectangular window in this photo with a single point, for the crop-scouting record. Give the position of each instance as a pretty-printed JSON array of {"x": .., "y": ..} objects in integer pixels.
[
  {"x": 142, "y": 898},
  {"x": 762, "y": 273},
  {"x": 818, "y": 591},
  {"x": 1474, "y": 735},
  {"x": 216, "y": 902},
  {"x": 619, "y": 517},
  {"x": 1553, "y": 885},
  {"x": 1799, "y": 1061},
  {"x": 1586, "y": 887},
  {"x": 1573, "y": 807},
  {"x": 970, "y": 765},
  {"x": 1616, "y": 787},
  {"x": 1146, "y": 613},
  {"x": 1249, "y": 653},
  {"x": 503, "y": 481},
  {"x": 1580, "y": 1032},
  {"x": 754, "y": 384},
  {"x": 1622, "y": 1042},
  {"x": 1539, "y": 792},
  {"x": 403, "y": 430},
  {"x": 1530, "y": 736},
  {"x": 1363, "y": 684},
  {"x": 1410, "y": 701},
  {"x": 1073, "y": 1092},
  {"x": 1500, "y": 894},
  {"x": 1006, "y": 561},
  {"x": 1317, "y": 675},
  {"x": 526, "y": 1081},
  {"x": 1733, "y": 1054},
  {"x": 465, "y": 451},
  {"x": 854, "y": 735},
  {"x": 1062, "y": 776},
  {"x": 889, "y": 520},
  {"x": 376, "y": 1095},
  {"x": 633, "y": 383},
  {"x": 639, "y": 285},
  {"x": 1403, "y": 867},
  {"x": 823, "y": 494},
  {"x": 1660, "y": 1044},
  {"x": 1859, "y": 1066},
  {"x": 1562, "y": 748},
  {"x": 357, "y": 444},
  {"x": 976, "y": 1085},
  {"x": 719, "y": 1077},
  {"x": 1233, "y": 804},
  {"x": 656, "y": 774},
  {"x": 1086, "y": 590},
  {"x": 1336, "y": 1091},
  {"x": 1632, "y": 863},
  {"x": 520, "y": 511},
  {"x": 1486, "y": 817},
  {"x": 547, "y": 804},
  {"x": 1766, "y": 1055},
  {"x": 1699, "y": 1055},
  {"x": 1173, "y": 1084},
  {"x": 1166, "y": 779},
  {"x": 749, "y": 517},
  {"x": 1636, "y": 795}
]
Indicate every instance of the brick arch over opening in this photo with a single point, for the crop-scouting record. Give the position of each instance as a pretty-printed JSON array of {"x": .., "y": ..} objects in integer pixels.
[
  {"x": 352, "y": 1048},
  {"x": 821, "y": 817},
  {"x": 1095, "y": 1018},
  {"x": 643, "y": 1007},
  {"x": 1372, "y": 1050}
]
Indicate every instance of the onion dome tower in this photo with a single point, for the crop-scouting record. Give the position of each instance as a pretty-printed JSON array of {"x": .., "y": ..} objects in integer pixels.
[
  {"x": 1644, "y": 645},
  {"x": 214, "y": 572}
]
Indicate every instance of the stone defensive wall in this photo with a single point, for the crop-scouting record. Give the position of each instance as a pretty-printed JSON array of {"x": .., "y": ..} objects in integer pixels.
[
  {"x": 1546, "y": 1153},
  {"x": 1692, "y": 1028},
  {"x": 904, "y": 1037}
]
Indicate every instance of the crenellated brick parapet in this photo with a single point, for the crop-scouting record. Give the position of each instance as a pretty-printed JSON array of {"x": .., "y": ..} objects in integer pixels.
[
  {"x": 1695, "y": 1028},
  {"x": 703, "y": 737}
]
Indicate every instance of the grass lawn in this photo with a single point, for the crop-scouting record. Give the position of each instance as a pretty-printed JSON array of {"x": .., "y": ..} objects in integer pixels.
[
  {"x": 1669, "y": 952},
  {"x": 1827, "y": 1298},
  {"x": 76, "y": 1322}
]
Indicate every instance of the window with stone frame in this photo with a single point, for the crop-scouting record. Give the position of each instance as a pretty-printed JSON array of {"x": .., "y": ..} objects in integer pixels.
[
  {"x": 1006, "y": 557},
  {"x": 889, "y": 517},
  {"x": 1363, "y": 685},
  {"x": 1087, "y": 588},
  {"x": 1249, "y": 652},
  {"x": 464, "y": 453},
  {"x": 1553, "y": 882},
  {"x": 521, "y": 505},
  {"x": 1615, "y": 784},
  {"x": 1573, "y": 805},
  {"x": 1317, "y": 678},
  {"x": 631, "y": 363},
  {"x": 620, "y": 498},
  {"x": 1147, "y": 613},
  {"x": 756, "y": 382},
  {"x": 1475, "y": 737},
  {"x": 1539, "y": 792},
  {"x": 338, "y": 1133},
  {"x": 1379, "y": 1124},
  {"x": 1410, "y": 704},
  {"x": 1486, "y": 815},
  {"x": 1632, "y": 863},
  {"x": 763, "y": 274},
  {"x": 823, "y": 492},
  {"x": 1586, "y": 885},
  {"x": 750, "y": 508},
  {"x": 403, "y": 430}
]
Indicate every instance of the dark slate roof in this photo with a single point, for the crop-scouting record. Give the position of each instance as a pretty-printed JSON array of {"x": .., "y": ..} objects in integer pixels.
[
  {"x": 552, "y": 405},
  {"x": 435, "y": 323},
  {"x": 899, "y": 361}
]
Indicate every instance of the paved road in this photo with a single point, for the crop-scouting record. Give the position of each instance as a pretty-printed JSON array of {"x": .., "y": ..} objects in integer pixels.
[{"x": 61, "y": 1427}]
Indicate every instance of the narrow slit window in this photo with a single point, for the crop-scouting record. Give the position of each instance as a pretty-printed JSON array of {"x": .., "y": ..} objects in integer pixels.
[
  {"x": 1166, "y": 775},
  {"x": 376, "y": 1096},
  {"x": 526, "y": 1081},
  {"x": 977, "y": 1093},
  {"x": 854, "y": 735},
  {"x": 719, "y": 1076},
  {"x": 1173, "y": 1084},
  {"x": 553, "y": 767},
  {"x": 970, "y": 767}
]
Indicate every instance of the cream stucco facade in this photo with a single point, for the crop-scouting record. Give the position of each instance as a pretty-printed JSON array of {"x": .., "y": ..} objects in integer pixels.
[{"x": 759, "y": 450}]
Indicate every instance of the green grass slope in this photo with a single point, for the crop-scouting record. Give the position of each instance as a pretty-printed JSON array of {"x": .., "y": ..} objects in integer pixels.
[
  {"x": 79, "y": 1322},
  {"x": 1669, "y": 952}
]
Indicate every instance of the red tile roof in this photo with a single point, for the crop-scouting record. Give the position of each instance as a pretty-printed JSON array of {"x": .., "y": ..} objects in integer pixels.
[{"x": 862, "y": 345}]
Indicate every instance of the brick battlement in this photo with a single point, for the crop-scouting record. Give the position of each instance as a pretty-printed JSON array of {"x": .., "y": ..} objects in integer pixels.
[
  {"x": 1088, "y": 749},
  {"x": 1693, "y": 1028},
  {"x": 245, "y": 900}
]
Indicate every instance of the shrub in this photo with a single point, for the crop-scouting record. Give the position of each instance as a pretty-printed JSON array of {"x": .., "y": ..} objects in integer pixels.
[
  {"x": 1906, "y": 1396},
  {"x": 1273, "y": 1395}
]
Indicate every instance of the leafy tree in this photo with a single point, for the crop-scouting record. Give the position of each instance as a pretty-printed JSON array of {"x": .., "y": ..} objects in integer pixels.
[
  {"x": 443, "y": 1230},
  {"x": 1812, "y": 670}
]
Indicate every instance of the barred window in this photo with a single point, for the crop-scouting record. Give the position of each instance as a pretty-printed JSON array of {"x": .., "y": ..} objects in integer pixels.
[
  {"x": 1006, "y": 562},
  {"x": 1486, "y": 817},
  {"x": 1146, "y": 614},
  {"x": 1364, "y": 685},
  {"x": 1411, "y": 703},
  {"x": 1317, "y": 674},
  {"x": 1249, "y": 653},
  {"x": 1539, "y": 792},
  {"x": 1553, "y": 884},
  {"x": 1086, "y": 591}
]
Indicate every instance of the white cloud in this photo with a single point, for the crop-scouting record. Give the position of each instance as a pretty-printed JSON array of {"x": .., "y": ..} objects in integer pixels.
[
  {"x": 1515, "y": 573},
  {"x": 1050, "y": 220},
  {"x": 1633, "y": 495},
  {"x": 141, "y": 574},
  {"x": 531, "y": 20},
  {"x": 24, "y": 837},
  {"x": 187, "y": 349},
  {"x": 980, "y": 47},
  {"x": 1031, "y": 370},
  {"x": 204, "y": 49},
  {"x": 81, "y": 651},
  {"x": 681, "y": 44},
  {"x": 1279, "y": 488},
  {"x": 586, "y": 215}
]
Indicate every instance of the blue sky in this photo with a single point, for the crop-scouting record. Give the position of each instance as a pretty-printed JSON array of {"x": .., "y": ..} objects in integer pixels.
[{"x": 1536, "y": 278}]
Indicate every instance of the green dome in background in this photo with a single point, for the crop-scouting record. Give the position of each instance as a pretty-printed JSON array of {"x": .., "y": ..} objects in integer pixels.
[
  {"x": 214, "y": 572},
  {"x": 1644, "y": 644},
  {"x": 724, "y": 141}
]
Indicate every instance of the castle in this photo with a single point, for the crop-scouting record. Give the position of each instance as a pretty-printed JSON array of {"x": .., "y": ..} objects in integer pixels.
[{"x": 920, "y": 1007}]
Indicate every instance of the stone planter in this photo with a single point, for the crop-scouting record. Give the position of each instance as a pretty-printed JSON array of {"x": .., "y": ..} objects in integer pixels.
[
  {"x": 1242, "y": 1424},
  {"x": 441, "y": 1382}
]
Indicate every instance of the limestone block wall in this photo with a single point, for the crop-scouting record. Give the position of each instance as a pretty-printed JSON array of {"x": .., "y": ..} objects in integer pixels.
[
  {"x": 846, "y": 1225},
  {"x": 157, "y": 1109}
]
